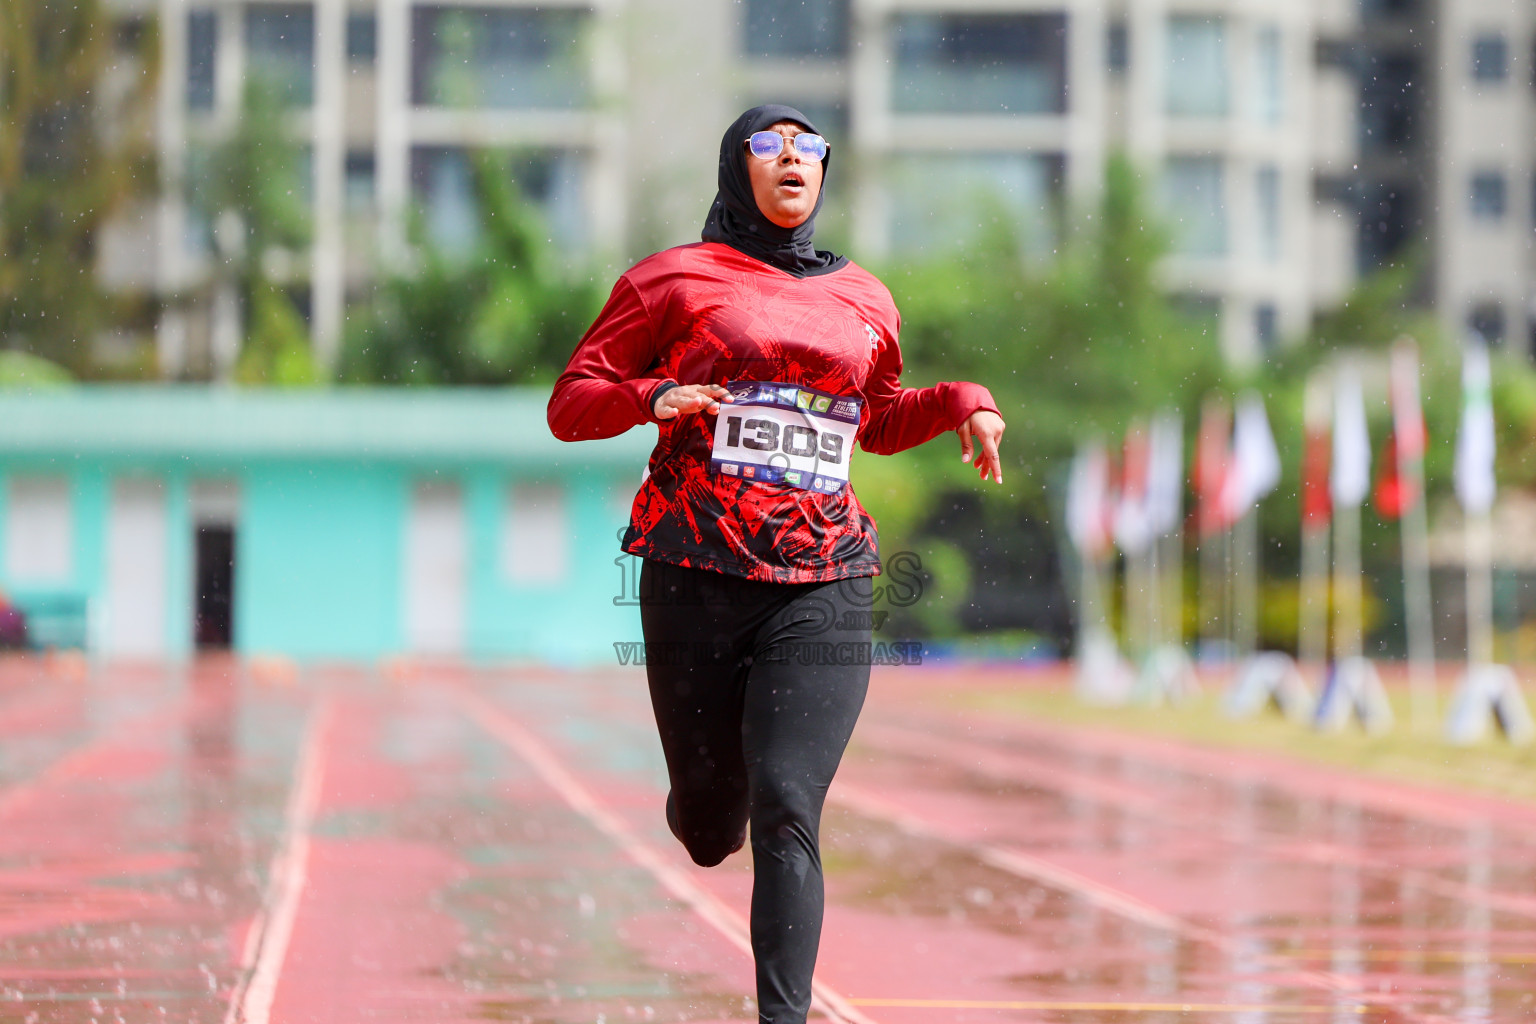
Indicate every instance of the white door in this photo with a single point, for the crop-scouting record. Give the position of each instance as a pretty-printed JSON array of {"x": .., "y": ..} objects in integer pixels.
[
  {"x": 133, "y": 613},
  {"x": 435, "y": 570}
]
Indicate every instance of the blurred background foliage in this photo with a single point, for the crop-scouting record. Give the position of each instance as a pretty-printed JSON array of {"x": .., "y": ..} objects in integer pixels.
[
  {"x": 70, "y": 159},
  {"x": 500, "y": 312},
  {"x": 1063, "y": 318}
]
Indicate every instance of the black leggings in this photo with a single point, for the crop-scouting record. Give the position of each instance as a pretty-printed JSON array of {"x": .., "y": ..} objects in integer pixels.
[{"x": 756, "y": 687}]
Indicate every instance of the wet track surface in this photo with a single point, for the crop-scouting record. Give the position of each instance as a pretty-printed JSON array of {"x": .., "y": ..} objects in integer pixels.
[{"x": 196, "y": 845}]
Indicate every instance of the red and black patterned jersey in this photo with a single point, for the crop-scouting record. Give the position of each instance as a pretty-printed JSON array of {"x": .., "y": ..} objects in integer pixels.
[{"x": 708, "y": 314}]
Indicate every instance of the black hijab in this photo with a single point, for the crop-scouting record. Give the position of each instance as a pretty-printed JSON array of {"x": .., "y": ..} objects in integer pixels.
[{"x": 734, "y": 218}]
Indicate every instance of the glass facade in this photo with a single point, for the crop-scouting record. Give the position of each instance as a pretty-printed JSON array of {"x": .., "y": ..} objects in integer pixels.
[
  {"x": 362, "y": 36},
  {"x": 1267, "y": 207},
  {"x": 980, "y": 191},
  {"x": 501, "y": 58},
  {"x": 1269, "y": 75},
  {"x": 980, "y": 63},
  {"x": 1198, "y": 79},
  {"x": 1490, "y": 199},
  {"x": 795, "y": 28},
  {"x": 202, "y": 57},
  {"x": 1391, "y": 92},
  {"x": 280, "y": 49},
  {"x": 1490, "y": 58},
  {"x": 359, "y": 184},
  {"x": 1195, "y": 203}
]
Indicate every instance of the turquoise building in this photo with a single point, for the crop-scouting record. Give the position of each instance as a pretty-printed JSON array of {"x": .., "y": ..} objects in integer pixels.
[{"x": 149, "y": 522}]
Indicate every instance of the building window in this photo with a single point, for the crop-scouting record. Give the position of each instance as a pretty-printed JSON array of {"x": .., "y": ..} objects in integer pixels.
[
  {"x": 1390, "y": 90},
  {"x": 795, "y": 28},
  {"x": 1266, "y": 325},
  {"x": 1267, "y": 200},
  {"x": 1490, "y": 58},
  {"x": 1117, "y": 48},
  {"x": 1194, "y": 199},
  {"x": 280, "y": 49},
  {"x": 1197, "y": 67},
  {"x": 982, "y": 190},
  {"x": 1486, "y": 321},
  {"x": 1530, "y": 352},
  {"x": 535, "y": 547},
  {"x": 553, "y": 180},
  {"x": 1489, "y": 195},
  {"x": 202, "y": 56},
  {"x": 498, "y": 57},
  {"x": 362, "y": 36},
  {"x": 1388, "y": 220},
  {"x": 38, "y": 541},
  {"x": 1269, "y": 75},
  {"x": 980, "y": 63},
  {"x": 359, "y": 180}
]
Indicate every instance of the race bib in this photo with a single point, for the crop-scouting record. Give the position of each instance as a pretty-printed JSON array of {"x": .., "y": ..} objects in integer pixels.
[{"x": 785, "y": 434}]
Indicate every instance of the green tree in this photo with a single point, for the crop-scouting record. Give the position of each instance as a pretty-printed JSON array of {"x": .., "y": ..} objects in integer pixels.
[
  {"x": 500, "y": 313},
  {"x": 251, "y": 190},
  {"x": 1070, "y": 348},
  {"x": 72, "y": 155}
]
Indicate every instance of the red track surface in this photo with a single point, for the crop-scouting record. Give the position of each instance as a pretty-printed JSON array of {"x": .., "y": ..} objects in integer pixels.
[{"x": 195, "y": 846}]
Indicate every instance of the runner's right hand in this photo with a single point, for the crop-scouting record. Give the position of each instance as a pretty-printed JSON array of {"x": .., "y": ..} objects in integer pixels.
[{"x": 686, "y": 398}]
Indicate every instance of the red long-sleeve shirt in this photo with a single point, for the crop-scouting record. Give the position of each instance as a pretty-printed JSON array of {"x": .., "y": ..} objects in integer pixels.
[{"x": 705, "y": 314}]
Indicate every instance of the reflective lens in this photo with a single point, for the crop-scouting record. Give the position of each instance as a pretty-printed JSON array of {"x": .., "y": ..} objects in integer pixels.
[{"x": 768, "y": 145}]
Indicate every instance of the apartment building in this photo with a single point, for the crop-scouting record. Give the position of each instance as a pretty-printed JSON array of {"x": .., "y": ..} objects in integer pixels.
[
  {"x": 942, "y": 114},
  {"x": 1484, "y": 239}
]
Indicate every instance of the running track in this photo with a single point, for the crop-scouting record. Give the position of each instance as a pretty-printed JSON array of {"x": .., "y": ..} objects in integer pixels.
[{"x": 446, "y": 845}]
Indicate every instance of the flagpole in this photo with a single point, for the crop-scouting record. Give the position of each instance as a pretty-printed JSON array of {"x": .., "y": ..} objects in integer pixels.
[
  {"x": 1479, "y": 539},
  {"x": 1245, "y": 599},
  {"x": 1409, "y": 431},
  {"x": 1348, "y": 586},
  {"x": 1313, "y": 614},
  {"x": 1212, "y": 470},
  {"x": 1350, "y": 483}
]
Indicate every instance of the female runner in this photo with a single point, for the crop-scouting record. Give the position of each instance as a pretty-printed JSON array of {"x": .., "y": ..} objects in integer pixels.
[{"x": 762, "y": 359}]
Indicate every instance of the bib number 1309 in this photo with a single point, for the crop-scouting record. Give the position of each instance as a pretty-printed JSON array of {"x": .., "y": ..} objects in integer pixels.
[
  {"x": 764, "y": 435},
  {"x": 785, "y": 434}
]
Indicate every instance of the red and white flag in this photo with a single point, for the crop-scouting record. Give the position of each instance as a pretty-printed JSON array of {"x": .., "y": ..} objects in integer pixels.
[
  {"x": 1088, "y": 507},
  {"x": 1350, "y": 479},
  {"x": 1316, "y": 503},
  {"x": 1395, "y": 493},
  {"x": 1212, "y": 465},
  {"x": 1133, "y": 525},
  {"x": 1165, "y": 474},
  {"x": 1475, "y": 444},
  {"x": 1255, "y": 461}
]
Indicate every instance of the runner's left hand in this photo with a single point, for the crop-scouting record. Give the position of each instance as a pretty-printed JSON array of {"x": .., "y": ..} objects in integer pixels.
[{"x": 987, "y": 427}]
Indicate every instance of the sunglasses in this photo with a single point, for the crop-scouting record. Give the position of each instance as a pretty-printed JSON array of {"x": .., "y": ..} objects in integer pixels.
[{"x": 768, "y": 145}]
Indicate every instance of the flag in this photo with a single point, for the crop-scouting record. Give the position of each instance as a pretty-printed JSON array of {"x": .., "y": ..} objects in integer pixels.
[
  {"x": 1212, "y": 464},
  {"x": 1165, "y": 474},
  {"x": 1133, "y": 527},
  {"x": 1350, "y": 479},
  {"x": 1407, "y": 410},
  {"x": 1316, "y": 505},
  {"x": 1392, "y": 495},
  {"x": 1255, "y": 462},
  {"x": 1475, "y": 483},
  {"x": 1405, "y": 444},
  {"x": 1088, "y": 501}
]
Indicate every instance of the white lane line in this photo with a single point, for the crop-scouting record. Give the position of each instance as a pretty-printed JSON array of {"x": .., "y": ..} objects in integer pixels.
[
  {"x": 1016, "y": 862},
  {"x": 704, "y": 903},
  {"x": 266, "y": 944},
  {"x": 1036, "y": 869}
]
